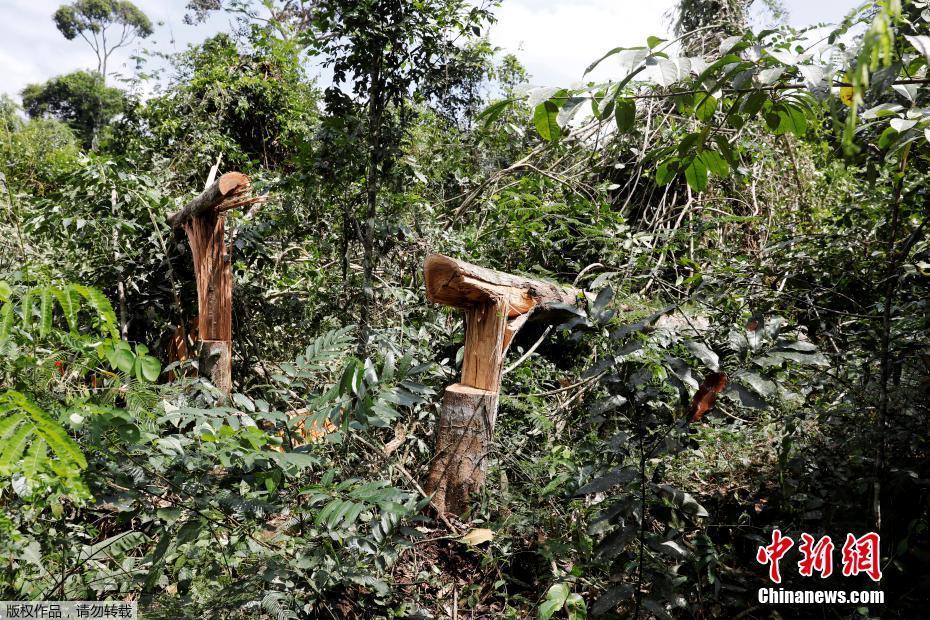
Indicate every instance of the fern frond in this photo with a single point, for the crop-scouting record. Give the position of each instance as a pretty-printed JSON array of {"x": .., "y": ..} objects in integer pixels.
[
  {"x": 325, "y": 348},
  {"x": 276, "y": 604},
  {"x": 28, "y": 309},
  {"x": 113, "y": 547},
  {"x": 36, "y": 456},
  {"x": 68, "y": 300},
  {"x": 101, "y": 305},
  {"x": 13, "y": 449},
  {"x": 35, "y": 425},
  {"x": 46, "y": 308}
]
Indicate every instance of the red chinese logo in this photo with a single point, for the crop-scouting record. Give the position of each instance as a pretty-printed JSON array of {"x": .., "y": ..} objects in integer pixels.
[
  {"x": 860, "y": 555},
  {"x": 771, "y": 554},
  {"x": 817, "y": 557}
]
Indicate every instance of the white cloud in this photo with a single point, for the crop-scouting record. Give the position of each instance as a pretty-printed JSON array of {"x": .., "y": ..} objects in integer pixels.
[
  {"x": 32, "y": 50},
  {"x": 556, "y": 41}
]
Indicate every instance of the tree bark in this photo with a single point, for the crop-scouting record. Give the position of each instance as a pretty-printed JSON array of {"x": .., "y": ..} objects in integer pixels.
[
  {"x": 215, "y": 363},
  {"x": 203, "y": 219},
  {"x": 463, "y": 439},
  {"x": 462, "y": 285},
  {"x": 496, "y": 306}
]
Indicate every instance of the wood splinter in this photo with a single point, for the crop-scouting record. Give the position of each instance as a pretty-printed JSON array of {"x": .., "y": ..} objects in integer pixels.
[
  {"x": 496, "y": 306},
  {"x": 203, "y": 219}
]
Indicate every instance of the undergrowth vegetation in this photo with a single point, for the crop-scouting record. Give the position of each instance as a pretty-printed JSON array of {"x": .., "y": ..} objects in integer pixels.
[{"x": 746, "y": 211}]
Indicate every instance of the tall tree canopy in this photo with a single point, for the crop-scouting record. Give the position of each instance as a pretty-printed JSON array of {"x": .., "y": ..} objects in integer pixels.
[
  {"x": 95, "y": 20},
  {"x": 80, "y": 99}
]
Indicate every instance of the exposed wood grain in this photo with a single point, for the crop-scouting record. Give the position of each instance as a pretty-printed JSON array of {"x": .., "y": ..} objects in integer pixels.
[
  {"x": 232, "y": 185},
  {"x": 214, "y": 275},
  {"x": 496, "y": 306},
  {"x": 203, "y": 219},
  {"x": 484, "y": 345},
  {"x": 460, "y": 284}
]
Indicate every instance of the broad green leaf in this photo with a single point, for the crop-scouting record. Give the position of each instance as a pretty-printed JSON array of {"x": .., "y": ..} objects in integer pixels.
[
  {"x": 684, "y": 501},
  {"x": 763, "y": 387},
  {"x": 706, "y": 106},
  {"x": 554, "y": 601},
  {"x": 150, "y": 368},
  {"x": 791, "y": 119},
  {"x": 662, "y": 71},
  {"x": 123, "y": 359},
  {"x": 625, "y": 114},
  {"x": 716, "y": 164},
  {"x": 575, "y": 607},
  {"x": 666, "y": 171},
  {"x": 493, "y": 112},
  {"x": 654, "y": 41},
  {"x": 545, "y": 118},
  {"x": 921, "y": 43},
  {"x": 612, "y": 598},
  {"x": 696, "y": 175},
  {"x": 620, "y": 475},
  {"x": 754, "y": 102}
]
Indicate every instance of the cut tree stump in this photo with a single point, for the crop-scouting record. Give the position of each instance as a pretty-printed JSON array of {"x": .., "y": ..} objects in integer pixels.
[
  {"x": 496, "y": 306},
  {"x": 203, "y": 219}
]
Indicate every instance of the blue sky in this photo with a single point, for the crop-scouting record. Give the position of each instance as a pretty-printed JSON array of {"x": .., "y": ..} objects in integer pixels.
[{"x": 554, "y": 39}]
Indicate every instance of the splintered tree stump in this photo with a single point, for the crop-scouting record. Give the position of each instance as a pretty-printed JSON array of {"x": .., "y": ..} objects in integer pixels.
[
  {"x": 496, "y": 306},
  {"x": 204, "y": 219},
  {"x": 463, "y": 438}
]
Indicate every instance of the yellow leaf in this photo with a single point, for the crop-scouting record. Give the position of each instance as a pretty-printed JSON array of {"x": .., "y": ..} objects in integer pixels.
[
  {"x": 478, "y": 536},
  {"x": 846, "y": 95}
]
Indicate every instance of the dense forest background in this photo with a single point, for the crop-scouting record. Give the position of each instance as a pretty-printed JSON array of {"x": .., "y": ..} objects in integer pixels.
[{"x": 747, "y": 211}]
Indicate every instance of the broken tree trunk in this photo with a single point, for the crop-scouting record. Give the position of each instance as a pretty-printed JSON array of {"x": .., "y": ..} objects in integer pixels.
[
  {"x": 203, "y": 219},
  {"x": 496, "y": 306}
]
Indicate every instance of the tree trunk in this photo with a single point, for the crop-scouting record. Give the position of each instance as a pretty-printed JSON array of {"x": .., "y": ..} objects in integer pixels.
[
  {"x": 463, "y": 440},
  {"x": 375, "y": 114},
  {"x": 206, "y": 234},
  {"x": 496, "y": 306},
  {"x": 203, "y": 219},
  {"x": 215, "y": 363}
]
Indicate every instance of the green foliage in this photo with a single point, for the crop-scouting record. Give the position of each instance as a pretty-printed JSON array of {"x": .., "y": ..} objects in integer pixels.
[
  {"x": 734, "y": 203},
  {"x": 95, "y": 15},
  {"x": 28, "y": 434},
  {"x": 79, "y": 99},
  {"x": 92, "y": 19}
]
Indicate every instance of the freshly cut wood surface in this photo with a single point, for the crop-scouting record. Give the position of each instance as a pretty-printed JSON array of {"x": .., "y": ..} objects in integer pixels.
[
  {"x": 206, "y": 234},
  {"x": 460, "y": 284},
  {"x": 230, "y": 185},
  {"x": 484, "y": 345}
]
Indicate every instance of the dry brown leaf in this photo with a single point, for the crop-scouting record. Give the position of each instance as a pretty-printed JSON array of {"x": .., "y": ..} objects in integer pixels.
[
  {"x": 706, "y": 395},
  {"x": 477, "y": 536}
]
